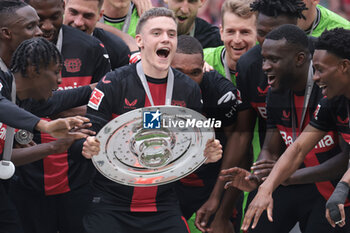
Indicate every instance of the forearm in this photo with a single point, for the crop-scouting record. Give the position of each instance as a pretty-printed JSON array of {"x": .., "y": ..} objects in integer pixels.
[
  {"x": 329, "y": 170},
  {"x": 21, "y": 156}
]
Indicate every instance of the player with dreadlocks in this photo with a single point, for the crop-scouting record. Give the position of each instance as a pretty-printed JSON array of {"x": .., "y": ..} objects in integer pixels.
[
  {"x": 36, "y": 67},
  {"x": 332, "y": 73},
  {"x": 19, "y": 22}
]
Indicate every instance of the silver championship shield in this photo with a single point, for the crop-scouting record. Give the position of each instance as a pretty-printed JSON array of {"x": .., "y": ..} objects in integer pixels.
[{"x": 153, "y": 146}]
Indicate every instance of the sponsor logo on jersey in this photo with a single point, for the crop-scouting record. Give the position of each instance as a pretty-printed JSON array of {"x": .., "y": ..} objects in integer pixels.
[
  {"x": 74, "y": 82},
  {"x": 326, "y": 141},
  {"x": 285, "y": 115},
  {"x": 263, "y": 92},
  {"x": 96, "y": 99},
  {"x": 229, "y": 96},
  {"x": 72, "y": 65},
  {"x": 343, "y": 121},
  {"x": 180, "y": 103},
  {"x": 260, "y": 108},
  {"x": 105, "y": 81},
  {"x": 130, "y": 105}
]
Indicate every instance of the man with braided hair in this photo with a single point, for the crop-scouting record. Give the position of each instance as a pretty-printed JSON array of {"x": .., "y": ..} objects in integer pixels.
[
  {"x": 59, "y": 177},
  {"x": 332, "y": 73},
  {"x": 36, "y": 69},
  {"x": 18, "y": 22}
]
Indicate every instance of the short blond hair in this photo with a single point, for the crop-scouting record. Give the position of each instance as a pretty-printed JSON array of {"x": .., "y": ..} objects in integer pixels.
[{"x": 241, "y": 8}]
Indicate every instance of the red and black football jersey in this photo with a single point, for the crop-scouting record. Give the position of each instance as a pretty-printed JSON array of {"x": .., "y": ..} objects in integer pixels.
[
  {"x": 85, "y": 61},
  {"x": 280, "y": 110},
  {"x": 122, "y": 91},
  {"x": 332, "y": 114}
]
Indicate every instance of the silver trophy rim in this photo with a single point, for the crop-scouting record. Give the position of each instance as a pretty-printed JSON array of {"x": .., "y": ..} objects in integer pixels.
[{"x": 117, "y": 171}]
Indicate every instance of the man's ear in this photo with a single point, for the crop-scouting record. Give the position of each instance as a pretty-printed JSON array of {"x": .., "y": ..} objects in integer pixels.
[
  {"x": 5, "y": 33},
  {"x": 345, "y": 65},
  {"x": 300, "y": 58},
  {"x": 139, "y": 41}
]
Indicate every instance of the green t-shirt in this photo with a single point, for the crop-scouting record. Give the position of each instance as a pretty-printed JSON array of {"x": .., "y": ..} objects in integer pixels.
[
  {"x": 214, "y": 56},
  {"x": 329, "y": 20},
  {"x": 119, "y": 23}
]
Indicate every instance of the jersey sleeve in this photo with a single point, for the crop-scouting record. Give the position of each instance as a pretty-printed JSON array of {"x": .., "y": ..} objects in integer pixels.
[
  {"x": 16, "y": 117},
  {"x": 322, "y": 117},
  {"x": 100, "y": 106},
  {"x": 102, "y": 63},
  {"x": 61, "y": 101},
  {"x": 227, "y": 103}
]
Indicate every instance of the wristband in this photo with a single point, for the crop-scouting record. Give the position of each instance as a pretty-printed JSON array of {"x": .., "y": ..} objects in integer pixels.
[{"x": 338, "y": 197}]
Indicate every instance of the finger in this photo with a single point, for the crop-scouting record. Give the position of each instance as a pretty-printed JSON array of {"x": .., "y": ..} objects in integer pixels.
[
  {"x": 77, "y": 135},
  {"x": 342, "y": 214},
  {"x": 199, "y": 221},
  {"x": 264, "y": 161},
  {"x": 262, "y": 171},
  {"x": 328, "y": 217},
  {"x": 248, "y": 218},
  {"x": 262, "y": 166},
  {"x": 270, "y": 211},
  {"x": 228, "y": 185},
  {"x": 257, "y": 217}
]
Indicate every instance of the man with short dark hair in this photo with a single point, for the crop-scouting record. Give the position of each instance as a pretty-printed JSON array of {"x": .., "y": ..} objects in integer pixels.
[{"x": 140, "y": 209}]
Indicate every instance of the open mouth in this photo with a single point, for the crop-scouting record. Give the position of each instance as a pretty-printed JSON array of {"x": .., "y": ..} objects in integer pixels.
[
  {"x": 163, "y": 52},
  {"x": 239, "y": 49},
  {"x": 48, "y": 36},
  {"x": 182, "y": 18},
  {"x": 271, "y": 79}
]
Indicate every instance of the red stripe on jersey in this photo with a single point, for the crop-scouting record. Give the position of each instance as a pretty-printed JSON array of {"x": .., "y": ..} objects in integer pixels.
[
  {"x": 346, "y": 137},
  {"x": 192, "y": 180},
  {"x": 183, "y": 219},
  {"x": 326, "y": 188},
  {"x": 55, "y": 171},
  {"x": 299, "y": 104},
  {"x": 260, "y": 108},
  {"x": 74, "y": 82},
  {"x": 2, "y": 136},
  {"x": 144, "y": 199}
]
